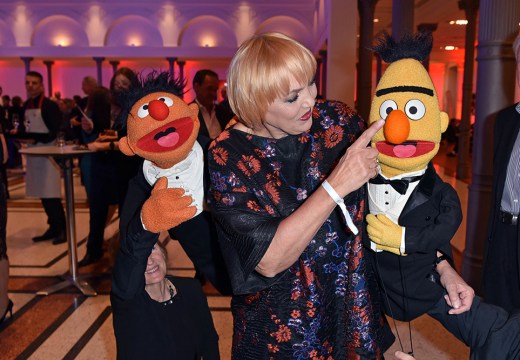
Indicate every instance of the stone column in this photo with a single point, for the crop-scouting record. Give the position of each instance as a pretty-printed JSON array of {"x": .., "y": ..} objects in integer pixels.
[
  {"x": 366, "y": 10},
  {"x": 470, "y": 7},
  {"x": 114, "y": 64},
  {"x": 99, "y": 61},
  {"x": 498, "y": 26},
  {"x": 171, "y": 61},
  {"x": 402, "y": 18},
  {"x": 48, "y": 64},
  {"x": 342, "y": 50},
  {"x": 27, "y": 62},
  {"x": 431, "y": 27}
]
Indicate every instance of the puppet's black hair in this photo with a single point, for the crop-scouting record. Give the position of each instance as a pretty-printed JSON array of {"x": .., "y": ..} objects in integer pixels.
[
  {"x": 415, "y": 46},
  {"x": 153, "y": 82}
]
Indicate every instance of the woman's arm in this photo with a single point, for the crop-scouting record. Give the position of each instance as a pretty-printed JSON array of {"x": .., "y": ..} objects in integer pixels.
[{"x": 294, "y": 233}]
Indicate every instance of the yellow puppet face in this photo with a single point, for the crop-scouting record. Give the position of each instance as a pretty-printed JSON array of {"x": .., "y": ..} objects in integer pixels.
[{"x": 406, "y": 99}]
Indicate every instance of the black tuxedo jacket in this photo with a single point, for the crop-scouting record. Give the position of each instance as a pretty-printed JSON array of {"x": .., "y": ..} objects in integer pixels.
[
  {"x": 197, "y": 236},
  {"x": 506, "y": 130},
  {"x": 431, "y": 217}
]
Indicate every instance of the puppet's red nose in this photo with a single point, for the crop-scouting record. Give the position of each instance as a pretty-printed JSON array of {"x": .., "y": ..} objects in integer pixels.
[
  {"x": 397, "y": 127},
  {"x": 158, "y": 110}
]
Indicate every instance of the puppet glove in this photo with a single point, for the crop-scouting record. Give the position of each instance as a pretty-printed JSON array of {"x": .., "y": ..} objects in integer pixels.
[
  {"x": 384, "y": 233},
  {"x": 396, "y": 251},
  {"x": 166, "y": 207}
]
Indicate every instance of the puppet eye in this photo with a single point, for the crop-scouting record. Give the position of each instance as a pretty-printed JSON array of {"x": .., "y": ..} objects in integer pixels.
[
  {"x": 168, "y": 101},
  {"x": 415, "y": 109},
  {"x": 386, "y": 107},
  {"x": 143, "y": 111}
]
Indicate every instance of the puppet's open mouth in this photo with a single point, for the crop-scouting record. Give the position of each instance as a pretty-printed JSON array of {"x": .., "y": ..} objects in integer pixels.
[
  {"x": 168, "y": 137},
  {"x": 408, "y": 149}
]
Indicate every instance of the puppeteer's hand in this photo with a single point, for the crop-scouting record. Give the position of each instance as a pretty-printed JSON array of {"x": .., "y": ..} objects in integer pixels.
[
  {"x": 403, "y": 356},
  {"x": 460, "y": 295},
  {"x": 384, "y": 233},
  {"x": 166, "y": 207}
]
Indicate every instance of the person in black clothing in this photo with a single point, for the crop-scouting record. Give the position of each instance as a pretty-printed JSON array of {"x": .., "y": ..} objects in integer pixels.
[
  {"x": 100, "y": 174},
  {"x": 157, "y": 316},
  {"x": 112, "y": 170}
]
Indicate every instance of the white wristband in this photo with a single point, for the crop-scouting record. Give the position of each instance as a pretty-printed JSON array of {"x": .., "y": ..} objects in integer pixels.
[{"x": 334, "y": 195}]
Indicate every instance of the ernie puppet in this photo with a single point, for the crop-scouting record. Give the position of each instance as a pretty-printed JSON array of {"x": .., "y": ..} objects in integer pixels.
[
  {"x": 168, "y": 194},
  {"x": 413, "y": 213}
]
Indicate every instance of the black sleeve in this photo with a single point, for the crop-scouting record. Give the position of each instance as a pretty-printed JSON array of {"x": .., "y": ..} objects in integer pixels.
[
  {"x": 207, "y": 337},
  {"x": 128, "y": 273},
  {"x": 100, "y": 112},
  {"x": 136, "y": 245}
]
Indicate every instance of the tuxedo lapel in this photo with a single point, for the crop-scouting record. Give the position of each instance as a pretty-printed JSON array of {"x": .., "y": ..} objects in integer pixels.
[{"x": 422, "y": 193}]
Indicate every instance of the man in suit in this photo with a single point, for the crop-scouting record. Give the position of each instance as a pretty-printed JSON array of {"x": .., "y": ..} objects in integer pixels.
[
  {"x": 501, "y": 271},
  {"x": 213, "y": 117}
]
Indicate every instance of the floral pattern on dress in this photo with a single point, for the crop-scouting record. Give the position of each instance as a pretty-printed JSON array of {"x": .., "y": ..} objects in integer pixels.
[{"x": 323, "y": 306}]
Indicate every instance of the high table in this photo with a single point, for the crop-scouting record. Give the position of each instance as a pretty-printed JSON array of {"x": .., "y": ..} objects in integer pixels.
[{"x": 63, "y": 156}]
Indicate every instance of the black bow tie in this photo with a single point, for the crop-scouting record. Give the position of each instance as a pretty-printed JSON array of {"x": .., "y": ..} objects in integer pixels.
[{"x": 399, "y": 185}]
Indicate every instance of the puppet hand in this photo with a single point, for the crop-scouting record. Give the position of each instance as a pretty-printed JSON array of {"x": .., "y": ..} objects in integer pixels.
[
  {"x": 384, "y": 232},
  {"x": 396, "y": 251},
  {"x": 166, "y": 207}
]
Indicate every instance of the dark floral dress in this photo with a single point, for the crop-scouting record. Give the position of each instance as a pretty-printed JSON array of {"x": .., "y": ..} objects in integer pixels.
[{"x": 326, "y": 305}]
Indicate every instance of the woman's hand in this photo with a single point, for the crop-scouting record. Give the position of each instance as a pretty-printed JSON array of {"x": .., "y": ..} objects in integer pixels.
[
  {"x": 87, "y": 125},
  {"x": 106, "y": 138},
  {"x": 74, "y": 121},
  {"x": 358, "y": 164}
]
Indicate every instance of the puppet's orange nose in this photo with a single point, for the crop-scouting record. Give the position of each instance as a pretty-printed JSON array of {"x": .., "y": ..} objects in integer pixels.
[
  {"x": 397, "y": 127},
  {"x": 158, "y": 110}
]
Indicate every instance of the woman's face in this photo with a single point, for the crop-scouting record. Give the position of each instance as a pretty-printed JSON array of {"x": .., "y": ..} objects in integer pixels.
[
  {"x": 155, "y": 267},
  {"x": 290, "y": 114},
  {"x": 121, "y": 83}
]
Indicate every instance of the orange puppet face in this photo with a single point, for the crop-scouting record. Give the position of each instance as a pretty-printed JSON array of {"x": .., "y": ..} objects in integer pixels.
[{"x": 162, "y": 128}]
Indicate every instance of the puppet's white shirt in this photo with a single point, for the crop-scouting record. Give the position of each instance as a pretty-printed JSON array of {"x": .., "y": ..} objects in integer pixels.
[
  {"x": 384, "y": 199},
  {"x": 187, "y": 174}
]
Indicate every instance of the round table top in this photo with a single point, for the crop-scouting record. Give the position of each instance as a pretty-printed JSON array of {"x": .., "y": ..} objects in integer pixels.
[{"x": 57, "y": 151}]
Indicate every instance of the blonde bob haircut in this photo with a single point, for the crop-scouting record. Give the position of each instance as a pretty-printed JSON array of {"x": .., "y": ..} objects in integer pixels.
[{"x": 261, "y": 72}]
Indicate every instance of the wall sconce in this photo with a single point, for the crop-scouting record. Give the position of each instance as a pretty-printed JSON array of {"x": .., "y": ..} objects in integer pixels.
[
  {"x": 450, "y": 48},
  {"x": 62, "y": 41},
  {"x": 134, "y": 41},
  {"x": 207, "y": 41},
  {"x": 458, "y": 22}
]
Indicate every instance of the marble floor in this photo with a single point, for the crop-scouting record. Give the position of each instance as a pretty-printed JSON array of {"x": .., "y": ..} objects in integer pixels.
[{"x": 69, "y": 325}]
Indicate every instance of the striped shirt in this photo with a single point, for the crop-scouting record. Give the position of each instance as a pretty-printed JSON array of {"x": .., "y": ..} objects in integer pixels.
[{"x": 511, "y": 196}]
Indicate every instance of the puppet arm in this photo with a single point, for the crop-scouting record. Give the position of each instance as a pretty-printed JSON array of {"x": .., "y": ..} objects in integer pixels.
[
  {"x": 438, "y": 234},
  {"x": 384, "y": 233},
  {"x": 166, "y": 207}
]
